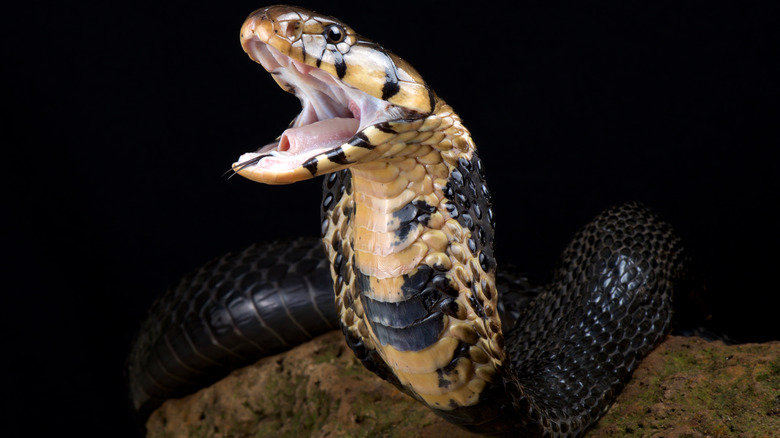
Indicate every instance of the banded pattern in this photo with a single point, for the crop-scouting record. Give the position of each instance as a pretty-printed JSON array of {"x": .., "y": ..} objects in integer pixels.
[{"x": 413, "y": 283}]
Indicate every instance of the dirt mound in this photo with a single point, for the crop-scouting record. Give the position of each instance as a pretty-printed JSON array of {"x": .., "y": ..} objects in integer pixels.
[{"x": 685, "y": 387}]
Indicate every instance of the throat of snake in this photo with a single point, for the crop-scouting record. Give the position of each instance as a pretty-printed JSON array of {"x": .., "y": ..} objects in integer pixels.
[{"x": 421, "y": 291}]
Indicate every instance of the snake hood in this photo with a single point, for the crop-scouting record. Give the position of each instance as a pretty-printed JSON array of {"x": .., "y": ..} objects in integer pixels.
[{"x": 345, "y": 103}]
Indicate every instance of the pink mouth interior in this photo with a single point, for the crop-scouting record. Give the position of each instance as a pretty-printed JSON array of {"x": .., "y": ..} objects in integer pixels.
[
  {"x": 297, "y": 145},
  {"x": 323, "y": 134},
  {"x": 324, "y": 123}
]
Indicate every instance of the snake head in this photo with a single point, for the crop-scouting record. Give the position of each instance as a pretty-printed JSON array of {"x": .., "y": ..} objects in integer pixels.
[{"x": 350, "y": 89}]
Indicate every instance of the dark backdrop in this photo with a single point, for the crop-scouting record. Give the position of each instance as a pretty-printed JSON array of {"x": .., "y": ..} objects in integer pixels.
[{"x": 120, "y": 119}]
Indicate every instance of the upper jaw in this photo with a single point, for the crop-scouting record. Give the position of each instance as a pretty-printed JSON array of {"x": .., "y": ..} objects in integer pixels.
[{"x": 322, "y": 95}]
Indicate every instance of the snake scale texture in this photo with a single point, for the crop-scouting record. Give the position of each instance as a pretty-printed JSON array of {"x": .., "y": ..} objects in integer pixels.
[{"x": 408, "y": 230}]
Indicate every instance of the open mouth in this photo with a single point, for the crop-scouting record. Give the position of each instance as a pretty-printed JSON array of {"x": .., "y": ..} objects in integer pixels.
[{"x": 333, "y": 112}]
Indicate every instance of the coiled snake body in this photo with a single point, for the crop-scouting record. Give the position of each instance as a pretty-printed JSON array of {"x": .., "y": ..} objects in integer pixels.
[{"x": 407, "y": 227}]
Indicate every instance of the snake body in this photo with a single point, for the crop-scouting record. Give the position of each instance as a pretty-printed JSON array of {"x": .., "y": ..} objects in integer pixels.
[{"x": 408, "y": 231}]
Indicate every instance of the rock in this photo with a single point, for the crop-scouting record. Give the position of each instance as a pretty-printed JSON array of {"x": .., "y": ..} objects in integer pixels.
[
  {"x": 685, "y": 387},
  {"x": 317, "y": 389},
  {"x": 688, "y": 387}
]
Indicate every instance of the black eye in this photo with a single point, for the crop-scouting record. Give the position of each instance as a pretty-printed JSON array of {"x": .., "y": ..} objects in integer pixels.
[{"x": 334, "y": 34}]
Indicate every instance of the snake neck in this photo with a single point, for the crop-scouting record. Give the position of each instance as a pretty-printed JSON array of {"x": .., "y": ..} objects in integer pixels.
[{"x": 410, "y": 239}]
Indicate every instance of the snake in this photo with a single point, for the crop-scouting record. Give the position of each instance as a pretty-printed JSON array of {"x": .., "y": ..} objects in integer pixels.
[{"x": 408, "y": 231}]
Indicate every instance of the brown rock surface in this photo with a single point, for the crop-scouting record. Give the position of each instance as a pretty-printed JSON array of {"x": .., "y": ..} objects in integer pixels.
[{"x": 686, "y": 387}]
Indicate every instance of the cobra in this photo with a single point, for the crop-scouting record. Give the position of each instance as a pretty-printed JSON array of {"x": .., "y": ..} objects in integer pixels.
[{"x": 407, "y": 230}]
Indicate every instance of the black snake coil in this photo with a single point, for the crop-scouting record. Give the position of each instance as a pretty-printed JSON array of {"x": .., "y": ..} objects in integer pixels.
[{"x": 573, "y": 345}]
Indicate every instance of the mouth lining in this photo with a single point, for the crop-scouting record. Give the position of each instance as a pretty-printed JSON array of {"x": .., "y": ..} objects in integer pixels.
[{"x": 332, "y": 112}]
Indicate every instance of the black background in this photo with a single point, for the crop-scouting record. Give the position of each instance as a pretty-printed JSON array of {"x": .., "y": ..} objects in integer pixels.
[{"x": 120, "y": 119}]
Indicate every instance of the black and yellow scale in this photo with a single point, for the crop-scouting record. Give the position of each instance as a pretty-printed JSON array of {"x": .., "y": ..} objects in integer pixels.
[{"x": 408, "y": 230}]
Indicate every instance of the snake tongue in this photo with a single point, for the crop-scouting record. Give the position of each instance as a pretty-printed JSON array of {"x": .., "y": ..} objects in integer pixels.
[
  {"x": 318, "y": 136},
  {"x": 299, "y": 144}
]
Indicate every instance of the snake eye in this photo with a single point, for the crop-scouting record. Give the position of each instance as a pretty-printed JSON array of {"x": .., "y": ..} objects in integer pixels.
[{"x": 334, "y": 34}]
